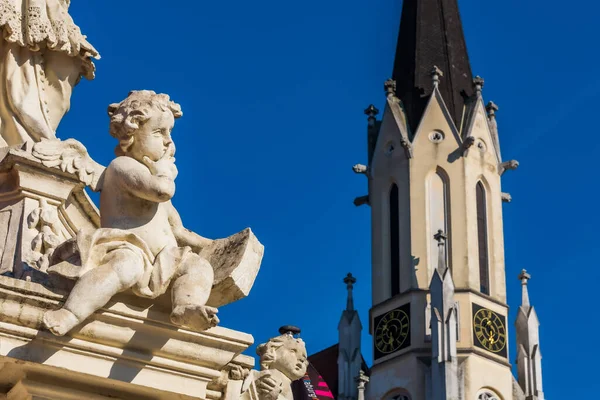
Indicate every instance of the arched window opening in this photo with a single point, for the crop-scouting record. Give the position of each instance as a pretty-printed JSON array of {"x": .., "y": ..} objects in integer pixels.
[
  {"x": 487, "y": 394},
  {"x": 482, "y": 239},
  {"x": 395, "y": 240},
  {"x": 439, "y": 216}
]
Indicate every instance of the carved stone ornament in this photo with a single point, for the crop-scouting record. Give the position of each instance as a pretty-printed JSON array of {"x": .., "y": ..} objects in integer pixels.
[
  {"x": 283, "y": 359},
  {"x": 44, "y": 220},
  {"x": 142, "y": 244},
  {"x": 507, "y": 166},
  {"x": 135, "y": 293}
]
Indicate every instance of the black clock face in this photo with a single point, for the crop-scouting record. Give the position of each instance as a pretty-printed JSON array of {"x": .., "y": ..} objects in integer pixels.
[
  {"x": 392, "y": 331},
  {"x": 489, "y": 330}
]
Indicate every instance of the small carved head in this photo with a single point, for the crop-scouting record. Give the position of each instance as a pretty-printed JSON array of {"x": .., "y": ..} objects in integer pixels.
[
  {"x": 144, "y": 117},
  {"x": 286, "y": 354}
]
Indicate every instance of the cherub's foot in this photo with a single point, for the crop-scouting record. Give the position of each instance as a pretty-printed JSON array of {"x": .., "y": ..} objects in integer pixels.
[
  {"x": 59, "y": 322},
  {"x": 199, "y": 318}
]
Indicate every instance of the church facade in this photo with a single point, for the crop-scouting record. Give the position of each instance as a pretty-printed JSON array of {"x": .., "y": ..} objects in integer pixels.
[{"x": 439, "y": 315}]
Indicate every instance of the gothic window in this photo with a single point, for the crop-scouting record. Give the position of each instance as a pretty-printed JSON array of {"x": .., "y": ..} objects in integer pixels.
[
  {"x": 482, "y": 238},
  {"x": 439, "y": 215},
  {"x": 487, "y": 395},
  {"x": 394, "y": 240}
]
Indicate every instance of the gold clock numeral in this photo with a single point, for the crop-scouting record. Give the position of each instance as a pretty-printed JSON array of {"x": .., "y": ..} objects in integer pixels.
[
  {"x": 391, "y": 331},
  {"x": 489, "y": 330}
]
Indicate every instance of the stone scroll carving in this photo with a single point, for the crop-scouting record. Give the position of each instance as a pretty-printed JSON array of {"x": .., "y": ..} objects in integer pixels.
[
  {"x": 44, "y": 220},
  {"x": 142, "y": 244},
  {"x": 43, "y": 56},
  {"x": 283, "y": 359}
]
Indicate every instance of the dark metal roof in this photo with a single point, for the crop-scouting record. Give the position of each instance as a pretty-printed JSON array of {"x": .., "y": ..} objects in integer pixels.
[
  {"x": 325, "y": 361},
  {"x": 431, "y": 34}
]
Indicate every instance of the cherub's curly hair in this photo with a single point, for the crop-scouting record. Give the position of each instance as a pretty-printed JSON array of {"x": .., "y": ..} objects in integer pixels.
[
  {"x": 127, "y": 116},
  {"x": 268, "y": 351}
]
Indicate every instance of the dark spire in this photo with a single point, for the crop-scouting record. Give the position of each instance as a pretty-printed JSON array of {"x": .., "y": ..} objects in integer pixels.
[
  {"x": 349, "y": 280},
  {"x": 431, "y": 34}
]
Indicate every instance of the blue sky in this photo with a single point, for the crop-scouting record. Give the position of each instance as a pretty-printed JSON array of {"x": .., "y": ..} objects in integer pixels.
[{"x": 272, "y": 94}]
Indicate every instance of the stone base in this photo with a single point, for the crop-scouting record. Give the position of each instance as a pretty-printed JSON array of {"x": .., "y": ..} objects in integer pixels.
[{"x": 127, "y": 350}]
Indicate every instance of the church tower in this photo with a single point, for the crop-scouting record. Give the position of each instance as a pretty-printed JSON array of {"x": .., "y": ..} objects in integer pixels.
[{"x": 439, "y": 312}]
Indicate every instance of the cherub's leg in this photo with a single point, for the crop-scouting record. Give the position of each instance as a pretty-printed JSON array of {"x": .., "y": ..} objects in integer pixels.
[
  {"x": 119, "y": 271},
  {"x": 191, "y": 290}
]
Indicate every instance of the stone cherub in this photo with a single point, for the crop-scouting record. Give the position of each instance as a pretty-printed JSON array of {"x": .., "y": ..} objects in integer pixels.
[
  {"x": 283, "y": 359},
  {"x": 43, "y": 56},
  {"x": 142, "y": 244}
]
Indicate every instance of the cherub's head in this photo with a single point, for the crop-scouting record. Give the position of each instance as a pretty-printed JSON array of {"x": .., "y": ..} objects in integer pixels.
[
  {"x": 286, "y": 354},
  {"x": 142, "y": 123}
]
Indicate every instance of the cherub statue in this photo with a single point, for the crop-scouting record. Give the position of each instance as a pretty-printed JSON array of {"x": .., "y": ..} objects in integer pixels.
[
  {"x": 43, "y": 55},
  {"x": 142, "y": 244},
  {"x": 283, "y": 359}
]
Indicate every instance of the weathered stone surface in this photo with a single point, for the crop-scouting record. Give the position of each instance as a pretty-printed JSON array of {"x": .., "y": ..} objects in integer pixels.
[
  {"x": 130, "y": 290},
  {"x": 130, "y": 341},
  {"x": 43, "y": 55},
  {"x": 236, "y": 261},
  {"x": 142, "y": 244},
  {"x": 283, "y": 360},
  {"x": 38, "y": 209}
]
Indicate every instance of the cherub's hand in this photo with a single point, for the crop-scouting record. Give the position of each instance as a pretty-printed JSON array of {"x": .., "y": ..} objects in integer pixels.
[
  {"x": 268, "y": 387},
  {"x": 164, "y": 167}
]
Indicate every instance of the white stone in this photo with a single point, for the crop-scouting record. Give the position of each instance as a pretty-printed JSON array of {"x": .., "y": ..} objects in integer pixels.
[
  {"x": 283, "y": 359},
  {"x": 142, "y": 244},
  {"x": 43, "y": 55},
  {"x": 131, "y": 341}
]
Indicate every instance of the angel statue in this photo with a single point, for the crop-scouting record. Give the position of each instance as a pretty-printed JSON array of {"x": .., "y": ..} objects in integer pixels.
[
  {"x": 283, "y": 360},
  {"x": 142, "y": 244},
  {"x": 43, "y": 55}
]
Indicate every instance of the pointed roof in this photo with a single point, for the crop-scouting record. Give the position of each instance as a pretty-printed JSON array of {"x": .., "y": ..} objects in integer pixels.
[
  {"x": 431, "y": 34},
  {"x": 349, "y": 315},
  {"x": 325, "y": 361}
]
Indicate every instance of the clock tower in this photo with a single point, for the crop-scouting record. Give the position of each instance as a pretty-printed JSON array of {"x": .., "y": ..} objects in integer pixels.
[{"x": 439, "y": 312}]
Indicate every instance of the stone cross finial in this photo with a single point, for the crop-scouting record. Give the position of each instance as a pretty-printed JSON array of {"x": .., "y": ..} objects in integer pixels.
[
  {"x": 371, "y": 112},
  {"x": 478, "y": 82},
  {"x": 361, "y": 382},
  {"x": 390, "y": 88},
  {"x": 491, "y": 109},
  {"x": 350, "y": 280},
  {"x": 436, "y": 74},
  {"x": 441, "y": 238},
  {"x": 524, "y": 277}
]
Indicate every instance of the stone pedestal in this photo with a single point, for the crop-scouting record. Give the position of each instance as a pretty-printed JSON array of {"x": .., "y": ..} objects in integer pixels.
[
  {"x": 40, "y": 207},
  {"x": 128, "y": 350}
]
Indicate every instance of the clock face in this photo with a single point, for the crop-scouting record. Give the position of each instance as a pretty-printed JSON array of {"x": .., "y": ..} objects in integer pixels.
[
  {"x": 489, "y": 330},
  {"x": 392, "y": 331}
]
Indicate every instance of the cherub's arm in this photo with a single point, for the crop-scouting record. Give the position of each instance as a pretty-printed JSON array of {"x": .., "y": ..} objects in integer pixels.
[
  {"x": 184, "y": 236},
  {"x": 136, "y": 178}
]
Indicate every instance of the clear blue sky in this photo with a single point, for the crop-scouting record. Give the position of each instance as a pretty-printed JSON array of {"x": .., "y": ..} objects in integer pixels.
[{"x": 273, "y": 93}]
